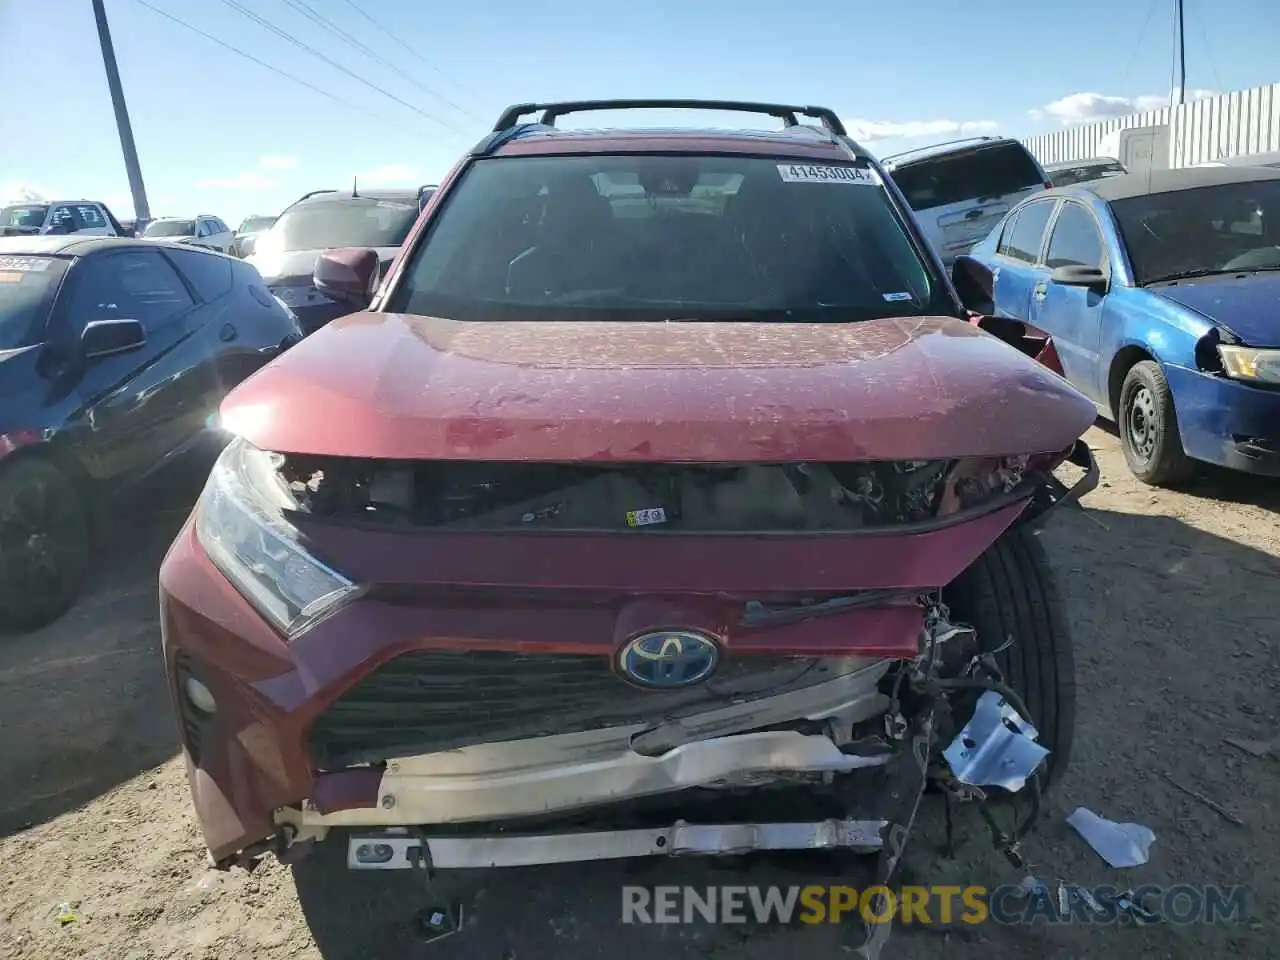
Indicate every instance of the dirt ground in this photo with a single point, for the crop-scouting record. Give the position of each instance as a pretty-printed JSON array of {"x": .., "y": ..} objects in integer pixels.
[{"x": 1174, "y": 600}]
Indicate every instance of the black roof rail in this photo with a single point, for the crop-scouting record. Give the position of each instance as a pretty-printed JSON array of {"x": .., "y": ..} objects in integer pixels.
[
  {"x": 307, "y": 196},
  {"x": 944, "y": 143},
  {"x": 786, "y": 113}
]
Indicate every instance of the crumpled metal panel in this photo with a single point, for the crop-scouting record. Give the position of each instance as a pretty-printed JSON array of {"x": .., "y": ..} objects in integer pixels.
[{"x": 996, "y": 748}]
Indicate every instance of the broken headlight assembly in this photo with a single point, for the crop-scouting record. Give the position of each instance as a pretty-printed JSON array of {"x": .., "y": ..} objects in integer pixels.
[
  {"x": 241, "y": 522},
  {"x": 1250, "y": 364}
]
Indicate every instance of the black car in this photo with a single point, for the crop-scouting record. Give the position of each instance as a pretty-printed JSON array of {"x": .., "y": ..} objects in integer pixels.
[
  {"x": 114, "y": 355},
  {"x": 286, "y": 254}
]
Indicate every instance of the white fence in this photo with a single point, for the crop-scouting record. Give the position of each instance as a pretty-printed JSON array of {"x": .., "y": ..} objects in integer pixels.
[{"x": 1231, "y": 124}]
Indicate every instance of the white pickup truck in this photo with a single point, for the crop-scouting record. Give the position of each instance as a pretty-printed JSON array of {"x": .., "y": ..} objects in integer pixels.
[{"x": 59, "y": 217}]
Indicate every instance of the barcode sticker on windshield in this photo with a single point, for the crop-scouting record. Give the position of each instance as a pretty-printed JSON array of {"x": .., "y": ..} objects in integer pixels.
[
  {"x": 642, "y": 518},
  {"x": 894, "y": 297},
  {"x": 25, "y": 264},
  {"x": 811, "y": 173}
]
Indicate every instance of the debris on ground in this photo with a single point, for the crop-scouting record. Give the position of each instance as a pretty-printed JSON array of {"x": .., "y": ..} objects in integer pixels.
[
  {"x": 996, "y": 748},
  {"x": 66, "y": 914},
  {"x": 1255, "y": 748},
  {"x": 1120, "y": 844},
  {"x": 1213, "y": 805}
]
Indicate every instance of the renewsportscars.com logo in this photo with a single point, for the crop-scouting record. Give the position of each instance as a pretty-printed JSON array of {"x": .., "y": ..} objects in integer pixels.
[{"x": 1180, "y": 904}]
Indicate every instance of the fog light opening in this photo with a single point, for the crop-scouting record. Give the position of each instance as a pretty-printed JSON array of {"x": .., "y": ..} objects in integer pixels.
[
  {"x": 374, "y": 853},
  {"x": 201, "y": 697}
]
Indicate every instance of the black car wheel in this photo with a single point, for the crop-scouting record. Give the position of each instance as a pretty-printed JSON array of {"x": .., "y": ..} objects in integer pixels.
[
  {"x": 44, "y": 543},
  {"x": 1010, "y": 598},
  {"x": 1149, "y": 428}
]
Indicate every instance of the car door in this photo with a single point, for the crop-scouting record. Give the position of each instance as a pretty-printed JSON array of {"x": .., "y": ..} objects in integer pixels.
[
  {"x": 92, "y": 220},
  {"x": 204, "y": 230},
  {"x": 224, "y": 235},
  {"x": 1015, "y": 269},
  {"x": 1073, "y": 315},
  {"x": 136, "y": 407},
  {"x": 62, "y": 219}
]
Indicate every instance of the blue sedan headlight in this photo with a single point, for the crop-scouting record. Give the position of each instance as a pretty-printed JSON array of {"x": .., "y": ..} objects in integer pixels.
[{"x": 1250, "y": 363}]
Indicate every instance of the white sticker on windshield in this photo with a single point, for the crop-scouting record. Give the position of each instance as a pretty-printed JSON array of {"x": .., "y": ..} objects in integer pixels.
[
  {"x": 26, "y": 264},
  {"x": 812, "y": 173},
  {"x": 894, "y": 297},
  {"x": 642, "y": 518},
  {"x": 392, "y": 205}
]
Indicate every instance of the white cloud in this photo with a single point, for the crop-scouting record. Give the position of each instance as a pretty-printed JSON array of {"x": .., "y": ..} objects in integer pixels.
[
  {"x": 249, "y": 180},
  {"x": 277, "y": 161},
  {"x": 868, "y": 131},
  {"x": 20, "y": 191},
  {"x": 390, "y": 175},
  {"x": 1090, "y": 107}
]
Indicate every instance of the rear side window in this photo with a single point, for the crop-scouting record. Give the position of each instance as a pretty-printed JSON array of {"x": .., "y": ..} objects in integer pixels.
[
  {"x": 1075, "y": 241},
  {"x": 652, "y": 237},
  {"x": 138, "y": 285},
  {"x": 956, "y": 178},
  {"x": 1007, "y": 234},
  {"x": 1027, "y": 236},
  {"x": 209, "y": 274}
]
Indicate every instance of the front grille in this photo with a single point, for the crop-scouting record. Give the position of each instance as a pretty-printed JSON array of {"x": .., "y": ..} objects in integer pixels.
[{"x": 428, "y": 701}]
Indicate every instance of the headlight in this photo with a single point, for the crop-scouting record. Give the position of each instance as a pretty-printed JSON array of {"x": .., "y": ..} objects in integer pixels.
[
  {"x": 1250, "y": 363},
  {"x": 240, "y": 522}
]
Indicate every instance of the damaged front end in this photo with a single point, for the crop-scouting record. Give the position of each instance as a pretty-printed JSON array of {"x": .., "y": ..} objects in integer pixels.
[{"x": 504, "y": 738}]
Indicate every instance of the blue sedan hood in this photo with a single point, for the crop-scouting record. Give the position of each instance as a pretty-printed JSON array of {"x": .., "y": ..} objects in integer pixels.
[{"x": 1248, "y": 305}]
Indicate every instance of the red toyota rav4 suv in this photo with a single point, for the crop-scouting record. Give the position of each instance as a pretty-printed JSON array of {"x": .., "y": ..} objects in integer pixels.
[{"x": 663, "y": 464}]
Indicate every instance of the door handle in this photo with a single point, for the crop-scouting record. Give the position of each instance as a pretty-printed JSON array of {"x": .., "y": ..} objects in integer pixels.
[{"x": 228, "y": 333}]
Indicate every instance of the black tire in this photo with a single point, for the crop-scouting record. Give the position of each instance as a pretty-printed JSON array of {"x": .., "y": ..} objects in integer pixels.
[
  {"x": 1010, "y": 593},
  {"x": 1148, "y": 427},
  {"x": 44, "y": 543}
]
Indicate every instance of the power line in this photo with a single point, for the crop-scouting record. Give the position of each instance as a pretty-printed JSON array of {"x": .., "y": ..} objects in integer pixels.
[
  {"x": 285, "y": 35},
  {"x": 360, "y": 10},
  {"x": 311, "y": 14},
  {"x": 1133, "y": 54},
  {"x": 261, "y": 63},
  {"x": 1208, "y": 49}
]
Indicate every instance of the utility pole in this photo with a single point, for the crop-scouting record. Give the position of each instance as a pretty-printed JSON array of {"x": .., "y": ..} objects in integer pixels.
[
  {"x": 141, "y": 211},
  {"x": 1179, "y": 25}
]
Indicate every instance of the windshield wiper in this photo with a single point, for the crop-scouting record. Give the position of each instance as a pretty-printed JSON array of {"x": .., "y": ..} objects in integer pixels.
[{"x": 1214, "y": 272}]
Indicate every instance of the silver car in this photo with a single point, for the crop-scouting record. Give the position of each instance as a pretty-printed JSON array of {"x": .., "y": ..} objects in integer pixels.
[{"x": 961, "y": 189}]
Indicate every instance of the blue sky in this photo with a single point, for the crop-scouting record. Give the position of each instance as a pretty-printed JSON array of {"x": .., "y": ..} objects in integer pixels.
[{"x": 220, "y": 134}]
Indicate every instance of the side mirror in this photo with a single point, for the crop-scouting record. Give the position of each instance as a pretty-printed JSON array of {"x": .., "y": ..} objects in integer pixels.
[
  {"x": 103, "y": 338},
  {"x": 348, "y": 274},
  {"x": 974, "y": 284},
  {"x": 1076, "y": 276},
  {"x": 58, "y": 229}
]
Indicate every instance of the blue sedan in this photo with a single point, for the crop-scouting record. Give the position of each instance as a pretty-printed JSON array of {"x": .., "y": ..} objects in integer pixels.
[{"x": 1161, "y": 293}]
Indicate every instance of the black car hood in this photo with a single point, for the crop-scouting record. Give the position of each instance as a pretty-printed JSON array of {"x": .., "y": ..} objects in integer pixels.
[
  {"x": 297, "y": 266},
  {"x": 1248, "y": 305}
]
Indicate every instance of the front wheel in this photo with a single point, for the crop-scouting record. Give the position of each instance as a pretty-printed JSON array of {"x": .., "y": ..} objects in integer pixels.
[
  {"x": 44, "y": 543},
  {"x": 1149, "y": 428},
  {"x": 1010, "y": 597}
]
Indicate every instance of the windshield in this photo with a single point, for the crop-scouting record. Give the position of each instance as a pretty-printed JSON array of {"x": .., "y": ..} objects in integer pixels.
[
  {"x": 1220, "y": 229},
  {"x": 349, "y": 222},
  {"x": 1066, "y": 176},
  {"x": 667, "y": 238},
  {"x": 24, "y": 215},
  {"x": 257, "y": 224},
  {"x": 171, "y": 228},
  {"x": 967, "y": 176},
  {"x": 27, "y": 288}
]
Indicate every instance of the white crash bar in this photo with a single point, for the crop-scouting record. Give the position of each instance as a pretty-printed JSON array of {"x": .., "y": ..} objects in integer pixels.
[{"x": 397, "y": 850}]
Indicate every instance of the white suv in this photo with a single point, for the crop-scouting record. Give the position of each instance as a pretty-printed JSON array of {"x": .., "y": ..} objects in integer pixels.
[
  {"x": 961, "y": 189},
  {"x": 201, "y": 231}
]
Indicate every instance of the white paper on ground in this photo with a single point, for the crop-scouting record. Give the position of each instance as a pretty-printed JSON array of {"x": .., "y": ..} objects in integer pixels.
[{"x": 1120, "y": 844}]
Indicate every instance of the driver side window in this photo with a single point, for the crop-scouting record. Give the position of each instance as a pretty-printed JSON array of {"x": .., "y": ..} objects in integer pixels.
[
  {"x": 137, "y": 285},
  {"x": 1075, "y": 241}
]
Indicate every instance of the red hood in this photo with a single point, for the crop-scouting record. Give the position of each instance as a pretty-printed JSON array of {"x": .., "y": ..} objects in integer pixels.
[{"x": 402, "y": 387}]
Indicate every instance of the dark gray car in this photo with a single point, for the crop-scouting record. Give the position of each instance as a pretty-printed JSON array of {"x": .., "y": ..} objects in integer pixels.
[{"x": 286, "y": 254}]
